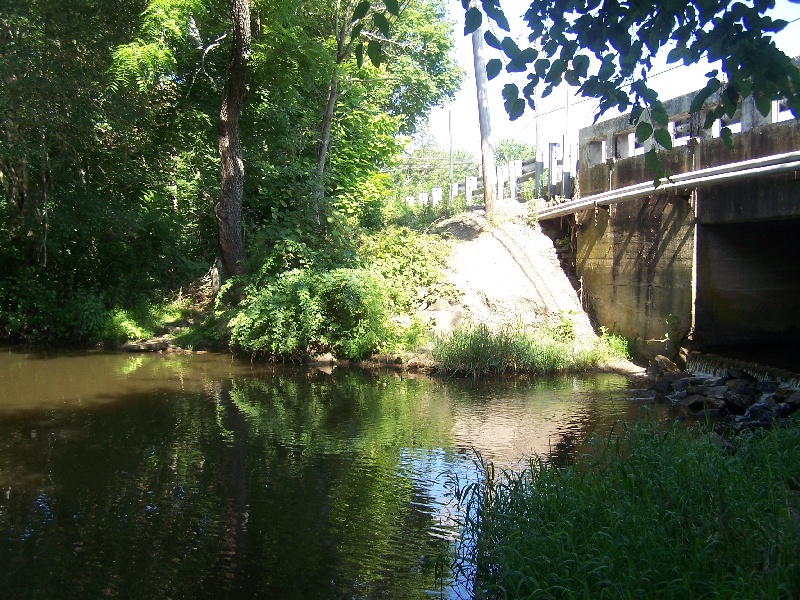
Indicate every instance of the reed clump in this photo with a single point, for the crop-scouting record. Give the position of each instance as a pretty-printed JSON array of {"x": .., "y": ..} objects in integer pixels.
[
  {"x": 478, "y": 351},
  {"x": 651, "y": 514}
]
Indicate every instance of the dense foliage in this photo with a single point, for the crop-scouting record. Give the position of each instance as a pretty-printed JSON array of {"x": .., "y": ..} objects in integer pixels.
[
  {"x": 652, "y": 514},
  {"x": 109, "y": 159},
  {"x": 351, "y": 312}
]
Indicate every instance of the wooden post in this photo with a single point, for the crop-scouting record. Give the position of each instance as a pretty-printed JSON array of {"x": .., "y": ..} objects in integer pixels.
[{"x": 482, "y": 87}]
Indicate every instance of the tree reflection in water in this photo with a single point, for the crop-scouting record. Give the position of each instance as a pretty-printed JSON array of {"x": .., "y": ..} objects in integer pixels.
[{"x": 179, "y": 478}]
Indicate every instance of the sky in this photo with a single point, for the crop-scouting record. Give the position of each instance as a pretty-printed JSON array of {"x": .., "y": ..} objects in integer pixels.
[{"x": 563, "y": 113}]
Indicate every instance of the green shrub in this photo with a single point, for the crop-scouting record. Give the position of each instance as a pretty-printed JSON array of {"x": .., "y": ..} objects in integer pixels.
[
  {"x": 305, "y": 312},
  {"x": 407, "y": 261},
  {"x": 282, "y": 318},
  {"x": 33, "y": 311},
  {"x": 653, "y": 514},
  {"x": 356, "y": 318}
]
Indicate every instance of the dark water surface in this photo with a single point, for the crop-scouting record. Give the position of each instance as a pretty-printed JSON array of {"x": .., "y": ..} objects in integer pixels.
[{"x": 202, "y": 477}]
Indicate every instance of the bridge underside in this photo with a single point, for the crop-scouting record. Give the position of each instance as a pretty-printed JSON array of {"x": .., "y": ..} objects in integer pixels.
[{"x": 747, "y": 291}]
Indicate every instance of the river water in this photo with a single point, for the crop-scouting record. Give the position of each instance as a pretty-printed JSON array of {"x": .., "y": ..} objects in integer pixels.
[{"x": 150, "y": 476}]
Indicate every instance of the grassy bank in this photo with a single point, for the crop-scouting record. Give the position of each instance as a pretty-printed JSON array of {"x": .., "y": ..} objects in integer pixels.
[
  {"x": 654, "y": 514},
  {"x": 478, "y": 351}
]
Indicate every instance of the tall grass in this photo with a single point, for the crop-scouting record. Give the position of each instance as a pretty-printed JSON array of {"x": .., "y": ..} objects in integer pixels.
[
  {"x": 653, "y": 514},
  {"x": 477, "y": 351}
]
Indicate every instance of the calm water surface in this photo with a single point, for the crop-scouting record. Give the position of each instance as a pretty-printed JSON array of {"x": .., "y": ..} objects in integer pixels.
[{"x": 154, "y": 476}]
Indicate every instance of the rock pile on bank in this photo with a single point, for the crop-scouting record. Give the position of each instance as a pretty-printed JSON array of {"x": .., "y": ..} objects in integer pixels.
[{"x": 732, "y": 395}]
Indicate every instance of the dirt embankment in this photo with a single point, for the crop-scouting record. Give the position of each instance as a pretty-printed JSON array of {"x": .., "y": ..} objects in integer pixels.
[{"x": 509, "y": 274}]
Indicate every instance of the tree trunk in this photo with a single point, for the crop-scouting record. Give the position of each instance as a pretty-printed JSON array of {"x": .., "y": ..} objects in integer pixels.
[
  {"x": 343, "y": 25},
  {"x": 325, "y": 141},
  {"x": 229, "y": 207},
  {"x": 482, "y": 87}
]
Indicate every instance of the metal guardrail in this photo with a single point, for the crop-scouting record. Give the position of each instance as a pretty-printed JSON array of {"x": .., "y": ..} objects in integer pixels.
[{"x": 759, "y": 167}]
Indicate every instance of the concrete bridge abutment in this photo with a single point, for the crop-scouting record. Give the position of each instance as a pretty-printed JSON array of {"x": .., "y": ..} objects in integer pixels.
[{"x": 706, "y": 269}]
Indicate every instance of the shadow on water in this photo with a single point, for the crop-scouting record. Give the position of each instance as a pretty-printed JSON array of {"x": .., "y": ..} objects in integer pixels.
[{"x": 202, "y": 477}]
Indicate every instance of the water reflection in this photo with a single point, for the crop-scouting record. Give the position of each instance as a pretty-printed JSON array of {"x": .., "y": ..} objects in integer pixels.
[{"x": 199, "y": 477}]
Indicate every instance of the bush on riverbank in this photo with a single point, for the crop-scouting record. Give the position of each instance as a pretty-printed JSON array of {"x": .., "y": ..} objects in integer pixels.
[
  {"x": 305, "y": 312},
  {"x": 654, "y": 513},
  {"x": 477, "y": 351},
  {"x": 351, "y": 311}
]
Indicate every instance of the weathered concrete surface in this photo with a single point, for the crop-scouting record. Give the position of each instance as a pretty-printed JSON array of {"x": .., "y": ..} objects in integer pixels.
[
  {"x": 635, "y": 261},
  {"x": 631, "y": 171},
  {"x": 775, "y": 197}
]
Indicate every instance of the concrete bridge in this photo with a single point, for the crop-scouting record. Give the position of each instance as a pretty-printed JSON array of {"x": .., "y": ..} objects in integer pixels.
[{"x": 708, "y": 261}]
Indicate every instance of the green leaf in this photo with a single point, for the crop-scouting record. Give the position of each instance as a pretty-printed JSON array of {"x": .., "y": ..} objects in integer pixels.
[
  {"x": 764, "y": 104},
  {"x": 510, "y": 48},
  {"x": 571, "y": 77},
  {"x": 659, "y": 114},
  {"x": 392, "y": 7},
  {"x": 641, "y": 88},
  {"x": 607, "y": 67},
  {"x": 653, "y": 164},
  {"x": 493, "y": 68},
  {"x": 643, "y": 132},
  {"x": 374, "y": 52},
  {"x": 556, "y": 71},
  {"x": 675, "y": 55},
  {"x": 528, "y": 55},
  {"x": 727, "y": 136},
  {"x": 541, "y": 66},
  {"x": 496, "y": 14},
  {"x": 700, "y": 98},
  {"x": 360, "y": 55},
  {"x": 515, "y": 109},
  {"x": 712, "y": 116},
  {"x": 472, "y": 20},
  {"x": 568, "y": 50},
  {"x": 361, "y": 10},
  {"x": 491, "y": 40},
  {"x": 663, "y": 138},
  {"x": 528, "y": 91},
  {"x": 381, "y": 23},
  {"x": 510, "y": 91},
  {"x": 581, "y": 65},
  {"x": 514, "y": 105},
  {"x": 516, "y": 66},
  {"x": 356, "y": 31}
]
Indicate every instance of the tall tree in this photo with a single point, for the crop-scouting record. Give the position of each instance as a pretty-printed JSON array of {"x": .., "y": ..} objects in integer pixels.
[
  {"x": 350, "y": 18},
  {"x": 229, "y": 207}
]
